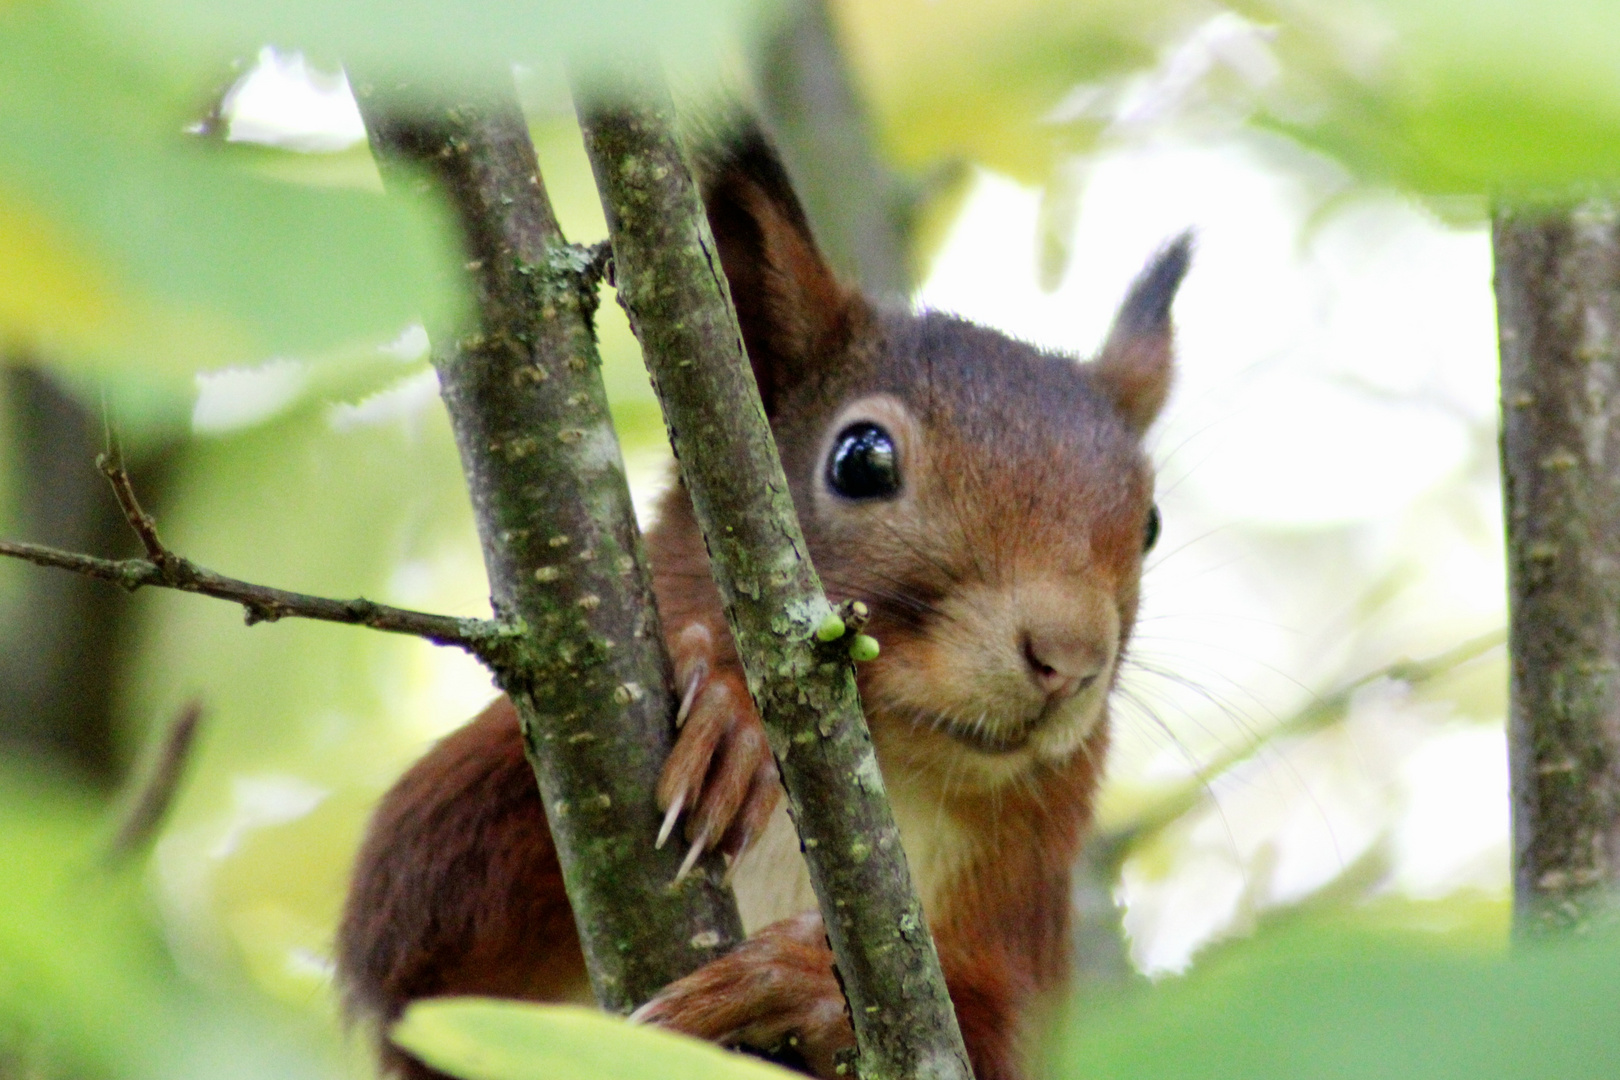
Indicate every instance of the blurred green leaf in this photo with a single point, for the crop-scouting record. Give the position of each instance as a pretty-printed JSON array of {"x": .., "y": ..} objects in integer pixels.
[
  {"x": 124, "y": 241},
  {"x": 1447, "y": 97},
  {"x": 487, "y": 1039},
  {"x": 1324, "y": 999},
  {"x": 86, "y": 987},
  {"x": 964, "y": 79},
  {"x": 435, "y": 42}
]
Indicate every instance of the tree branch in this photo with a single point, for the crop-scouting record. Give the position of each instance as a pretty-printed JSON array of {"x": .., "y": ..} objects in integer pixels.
[
  {"x": 670, "y": 283},
  {"x": 587, "y": 668},
  {"x": 1558, "y": 312},
  {"x": 164, "y": 569}
]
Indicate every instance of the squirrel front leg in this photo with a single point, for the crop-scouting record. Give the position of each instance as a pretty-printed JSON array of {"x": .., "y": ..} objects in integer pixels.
[
  {"x": 778, "y": 993},
  {"x": 457, "y": 888}
]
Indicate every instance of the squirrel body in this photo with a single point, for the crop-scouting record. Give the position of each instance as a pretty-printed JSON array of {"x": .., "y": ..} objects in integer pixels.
[{"x": 991, "y": 504}]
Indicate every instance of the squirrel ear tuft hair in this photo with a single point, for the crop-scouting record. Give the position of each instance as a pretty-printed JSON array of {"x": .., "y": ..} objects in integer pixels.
[
  {"x": 789, "y": 303},
  {"x": 1134, "y": 366}
]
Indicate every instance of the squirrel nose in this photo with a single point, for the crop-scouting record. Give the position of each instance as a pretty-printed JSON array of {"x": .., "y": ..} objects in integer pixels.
[{"x": 1061, "y": 663}]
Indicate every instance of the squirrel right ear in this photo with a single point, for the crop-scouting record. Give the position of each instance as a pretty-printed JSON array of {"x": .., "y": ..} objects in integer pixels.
[
  {"x": 787, "y": 298},
  {"x": 1134, "y": 365}
]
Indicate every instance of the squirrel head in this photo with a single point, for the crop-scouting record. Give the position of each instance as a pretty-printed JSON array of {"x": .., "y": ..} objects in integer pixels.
[{"x": 990, "y": 501}]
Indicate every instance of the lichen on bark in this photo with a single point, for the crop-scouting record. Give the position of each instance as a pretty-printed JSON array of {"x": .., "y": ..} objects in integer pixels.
[
  {"x": 671, "y": 285},
  {"x": 1558, "y": 308},
  {"x": 584, "y": 661}
]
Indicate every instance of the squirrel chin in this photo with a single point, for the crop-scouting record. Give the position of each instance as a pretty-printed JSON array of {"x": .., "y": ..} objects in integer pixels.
[{"x": 974, "y": 758}]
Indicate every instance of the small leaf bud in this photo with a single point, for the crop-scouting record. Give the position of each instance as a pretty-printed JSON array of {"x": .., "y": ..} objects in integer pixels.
[{"x": 863, "y": 648}]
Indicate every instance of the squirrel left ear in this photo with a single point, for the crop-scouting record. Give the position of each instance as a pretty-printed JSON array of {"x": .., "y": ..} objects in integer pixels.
[
  {"x": 787, "y": 298},
  {"x": 1134, "y": 365}
]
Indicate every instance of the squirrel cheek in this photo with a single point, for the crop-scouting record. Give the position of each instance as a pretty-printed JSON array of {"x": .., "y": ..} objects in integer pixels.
[{"x": 1007, "y": 674}]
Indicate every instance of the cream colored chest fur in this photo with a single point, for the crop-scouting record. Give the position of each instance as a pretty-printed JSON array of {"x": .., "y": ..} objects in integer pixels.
[{"x": 772, "y": 882}]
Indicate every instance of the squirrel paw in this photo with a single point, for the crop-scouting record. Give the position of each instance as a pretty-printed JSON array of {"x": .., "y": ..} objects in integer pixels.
[
  {"x": 720, "y": 774},
  {"x": 776, "y": 992}
]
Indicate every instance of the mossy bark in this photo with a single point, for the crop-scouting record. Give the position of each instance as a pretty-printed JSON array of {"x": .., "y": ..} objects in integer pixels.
[
  {"x": 1558, "y": 308},
  {"x": 670, "y": 283},
  {"x": 586, "y": 667}
]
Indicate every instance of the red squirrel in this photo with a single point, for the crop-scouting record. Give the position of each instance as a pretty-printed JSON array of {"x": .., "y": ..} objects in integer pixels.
[{"x": 991, "y": 503}]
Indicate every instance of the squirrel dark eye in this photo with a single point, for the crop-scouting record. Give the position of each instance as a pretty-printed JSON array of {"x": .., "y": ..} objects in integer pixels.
[
  {"x": 864, "y": 463},
  {"x": 1150, "y": 535}
]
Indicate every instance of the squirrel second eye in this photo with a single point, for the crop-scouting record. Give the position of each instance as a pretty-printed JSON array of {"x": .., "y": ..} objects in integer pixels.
[
  {"x": 1150, "y": 534},
  {"x": 864, "y": 463}
]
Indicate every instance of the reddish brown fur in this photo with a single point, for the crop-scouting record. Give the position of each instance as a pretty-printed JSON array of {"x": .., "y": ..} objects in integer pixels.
[
  {"x": 456, "y": 888},
  {"x": 1023, "y": 473}
]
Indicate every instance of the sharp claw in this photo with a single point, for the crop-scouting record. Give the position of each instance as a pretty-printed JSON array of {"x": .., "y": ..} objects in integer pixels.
[
  {"x": 670, "y": 816},
  {"x": 700, "y": 672},
  {"x": 742, "y": 849},
  {"x": 692, "y": 854}
]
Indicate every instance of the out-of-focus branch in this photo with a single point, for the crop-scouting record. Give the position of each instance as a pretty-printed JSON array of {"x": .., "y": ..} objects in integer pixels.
[
  {"x": 1558, "y": 314},
  {"x": 60, "y": 634},
  {"x": 859, "y": 209},
  {"x": 586, "y": 668},
  {"x": 153, "y": 791},
  {"x": 670, "y": 283}
]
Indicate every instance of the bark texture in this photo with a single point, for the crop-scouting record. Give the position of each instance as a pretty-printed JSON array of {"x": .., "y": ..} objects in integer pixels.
[
  {"x": 1558, "y": 308},
  {"x": 670, "y": 283},
  {"x": 823, "y": 132},
  {"x": 586, "y": 668}
]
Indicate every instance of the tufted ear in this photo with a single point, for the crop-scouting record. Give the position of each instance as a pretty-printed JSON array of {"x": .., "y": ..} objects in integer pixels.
[
  {"x": 1134, "y": 367},
  {"x": 789, "y": 303}
]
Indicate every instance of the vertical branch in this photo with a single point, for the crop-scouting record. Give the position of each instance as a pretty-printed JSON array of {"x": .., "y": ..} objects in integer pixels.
[
  {"x": 1102, "y": 952},
  {"x": 1558, "y": 307},
  {"x": 671, "y": 285},
  {"x": 809, "y": 95},
  {"x": 60, "y": 635},
  {"x": 587, "y": 668}
]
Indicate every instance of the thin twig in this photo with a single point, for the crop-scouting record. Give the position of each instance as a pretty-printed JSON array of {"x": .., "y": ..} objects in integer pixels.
[
  {"x": 162, "y": 568},
  {"x": 111, "y": 465}
]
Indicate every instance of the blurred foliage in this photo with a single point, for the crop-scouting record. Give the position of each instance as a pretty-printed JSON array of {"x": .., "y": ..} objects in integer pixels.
[
  {"x": 148, "y": 254},
  {"x": 1337, "y": 997},
  {"x": 87, "y": 987},
  {"x": 1453, "y": 99},
  {"x": 1444, "y": 98},
  {"x": 428, "y": 40},
  {"x": 484, "y": 1039},
  {"x": 1320, "y": 995}
]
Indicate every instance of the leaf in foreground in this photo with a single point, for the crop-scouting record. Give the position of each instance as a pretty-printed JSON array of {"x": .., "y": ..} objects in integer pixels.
[
  {"x": 1329, "y": 1001},
  {"x": 489, "y": 1039}
]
